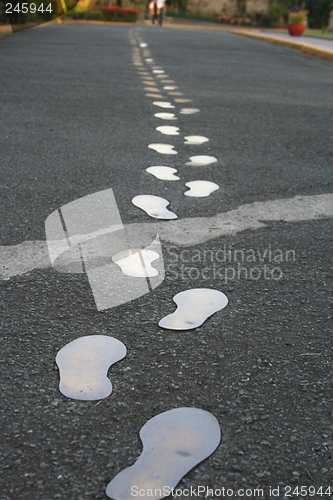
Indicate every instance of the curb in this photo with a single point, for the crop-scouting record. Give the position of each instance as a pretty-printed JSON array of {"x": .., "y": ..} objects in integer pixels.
[
  {"x": 5, "y": 30},
  {"x": 315, "y": 51}
]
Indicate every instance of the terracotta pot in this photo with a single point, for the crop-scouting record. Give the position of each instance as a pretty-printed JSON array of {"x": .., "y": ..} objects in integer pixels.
[{"x": 296, "y": 29}]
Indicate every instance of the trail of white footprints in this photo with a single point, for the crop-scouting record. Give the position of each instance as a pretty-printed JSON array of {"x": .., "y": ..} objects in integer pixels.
[{"x": 190, "y": 434}]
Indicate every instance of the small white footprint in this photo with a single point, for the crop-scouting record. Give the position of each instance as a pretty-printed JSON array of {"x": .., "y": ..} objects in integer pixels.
[
  {"x": 193, "y": 308},
  {"x": 154, "y": 206},
  {"x": 163, "y": 173},
  {"x": 189, "y": 111},
  {"x": 201, "y": 161},
  {"x": 83, "y": 366},
  {"x": 168, "y": 130},
  {"x": 195, "y": 139},
  {"x": 163, "y": 149},
  {"x": 166, "y": 116},
  {"x": 163, "y": 104},
  {"x": 200, "y": 189}
]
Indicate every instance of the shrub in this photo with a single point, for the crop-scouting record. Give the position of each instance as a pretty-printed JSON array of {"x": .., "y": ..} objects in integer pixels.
[
  {"x": 94, "y": 15},
  {"x": 299, "y": 17},
  {"x": 120, "y": 14},
  {"x": 277, "y": 11}
]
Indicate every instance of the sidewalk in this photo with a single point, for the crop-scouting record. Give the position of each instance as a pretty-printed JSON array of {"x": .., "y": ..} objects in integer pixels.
[
  {"x": 321, "y": 47},
  {"x": 316, "y": 46}
]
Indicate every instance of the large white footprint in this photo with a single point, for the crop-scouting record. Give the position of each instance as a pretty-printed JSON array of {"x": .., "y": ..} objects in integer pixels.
[
  {"x": 173, "y": 443},
  {"x": 163, "y": 173},
  {"x": 201, "y": 161},
  {"x": 163, "y": 149},
  {"x": 83, "y": 366},
  {"x": 193, "y": 308},
  {"x": 154, "y": 206},
  {"x": 136, "y": 262},
  {"x": 200, "y": 189}
]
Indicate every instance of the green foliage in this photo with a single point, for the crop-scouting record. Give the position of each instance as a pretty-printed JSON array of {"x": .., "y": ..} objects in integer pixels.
[
  {"x": 278, "y": 11},
  {"x": 77, "y": 13},
  {"x": 3, "y": 17},
  {"x": 319, "y": 11},
  {"x": 297, "y": 17},
  {"x": 94, "y": 15},
  {"x": 176, "y": 6}
]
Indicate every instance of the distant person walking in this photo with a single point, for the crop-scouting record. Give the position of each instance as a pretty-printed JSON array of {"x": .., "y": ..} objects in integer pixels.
[{"x": 156, "y": 8}]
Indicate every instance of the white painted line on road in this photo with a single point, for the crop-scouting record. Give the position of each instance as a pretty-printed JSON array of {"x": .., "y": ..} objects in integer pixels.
[{"x": 16, "y": 260}]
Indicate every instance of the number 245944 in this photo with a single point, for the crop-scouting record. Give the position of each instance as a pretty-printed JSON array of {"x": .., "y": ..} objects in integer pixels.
[{"x": 26, "y": 8}]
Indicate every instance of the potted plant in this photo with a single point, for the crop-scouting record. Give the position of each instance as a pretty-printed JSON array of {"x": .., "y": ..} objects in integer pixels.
[{"x": 297, "y": 22}]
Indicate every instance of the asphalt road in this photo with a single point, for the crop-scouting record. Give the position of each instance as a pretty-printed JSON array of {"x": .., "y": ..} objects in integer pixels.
[{"x": 75, "y": 120}]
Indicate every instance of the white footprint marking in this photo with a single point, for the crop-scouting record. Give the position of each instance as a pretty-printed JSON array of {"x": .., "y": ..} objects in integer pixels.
[
  {"x": 158, "y": 71},
  {"x": 173, "y": 443},
  {"x": 143, "y": 44},
  {"x": 163, "y": 173},
  {"x": 201, "y": 189},
  {"x": 166, "y": 116},
  {"x": 195, "y": 139},
  {"x": 83, "y": 366},
  {"x": 163, "y": 149},
  {"x": 163, "y": 104},
  {"x": 154, "y": 206},
  {"x": 136, "y": 262},
  {"x": 189, "y": 111},
  {"x": 181, "y": 100},
  {"x": 168, "y": 130},
  {"x": 201, "y": 161},
  {"x": 170, "y": 87},
  {"x": 193, "y": 308}
]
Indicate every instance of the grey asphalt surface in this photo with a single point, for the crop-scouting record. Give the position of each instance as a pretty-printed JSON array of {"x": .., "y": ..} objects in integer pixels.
[{"x": 74, "y": 121}]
